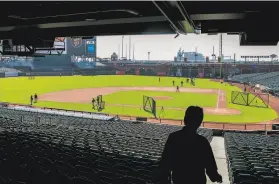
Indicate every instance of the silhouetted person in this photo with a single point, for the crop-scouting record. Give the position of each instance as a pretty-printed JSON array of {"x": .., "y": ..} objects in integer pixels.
[
  {"x": 181, "y": 83},
  {"x": 187, "y": 155},
  {"x": 31, "y": 100},
  {"x": 35, "y": 98},
  {"x": 93, "y": 103},
  {"x": 159, "y": 79},
  {"x": 173, "y": 82},
  {"x": 177, "y": 88}
]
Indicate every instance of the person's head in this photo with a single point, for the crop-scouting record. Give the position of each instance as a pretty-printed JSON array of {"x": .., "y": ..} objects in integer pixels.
[{"x": 193, "y": 117}]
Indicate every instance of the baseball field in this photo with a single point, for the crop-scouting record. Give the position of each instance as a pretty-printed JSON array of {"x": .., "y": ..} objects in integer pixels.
[{"x": 123, "y": 95}]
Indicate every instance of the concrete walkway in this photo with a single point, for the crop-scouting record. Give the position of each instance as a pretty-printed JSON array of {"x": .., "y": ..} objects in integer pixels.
[{"x": 218, "y": 148}]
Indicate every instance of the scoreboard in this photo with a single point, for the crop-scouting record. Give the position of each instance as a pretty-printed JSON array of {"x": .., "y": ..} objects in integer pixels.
[{"x": 91, "y": 47}]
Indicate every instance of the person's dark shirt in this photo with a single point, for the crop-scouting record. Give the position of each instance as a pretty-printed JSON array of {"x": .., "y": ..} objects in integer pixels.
[{"x": 188, "y": 156}]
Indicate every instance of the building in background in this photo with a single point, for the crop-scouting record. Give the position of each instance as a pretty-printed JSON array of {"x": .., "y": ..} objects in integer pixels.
[
  {"x": 189, "y": 57},
  {"x": 114, "y": 57}
]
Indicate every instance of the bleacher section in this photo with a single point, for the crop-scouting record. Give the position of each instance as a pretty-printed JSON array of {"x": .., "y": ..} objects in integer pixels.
[
  {"x": 272, "y": 82},
  {"x": 252, "y": 158},
  {"x": 244, "y": 77},
  {"x": 63, "y": 149},
  {"x": 2, "y": 70},
  {"x": 269, "y": 80},
  {"x": 53, "y": 63},
  {"x": 254, "y": 78},
  {"x": 262, "y": 78}
]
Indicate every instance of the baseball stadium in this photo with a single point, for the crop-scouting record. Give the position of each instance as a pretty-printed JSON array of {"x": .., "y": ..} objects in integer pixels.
[
  {"x": 123, "y": 95},
  {"x": 153, "y": 91},
  {"x": 76, "y": 91},
  {"x": 74, "y": 110}
]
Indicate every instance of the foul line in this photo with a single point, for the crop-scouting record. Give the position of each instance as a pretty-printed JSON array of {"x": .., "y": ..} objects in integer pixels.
[{"x": 217, "y": 105}]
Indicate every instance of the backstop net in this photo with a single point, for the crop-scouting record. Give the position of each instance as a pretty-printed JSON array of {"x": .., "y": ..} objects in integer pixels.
[
  {"x": 149, "y": 105},
  {"x": 250, "y": 99}
]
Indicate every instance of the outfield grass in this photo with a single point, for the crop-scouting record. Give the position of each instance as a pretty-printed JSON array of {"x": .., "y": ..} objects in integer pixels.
[
  {"x": 178, "y": 100},
  {"x": 18, "y": 90}
]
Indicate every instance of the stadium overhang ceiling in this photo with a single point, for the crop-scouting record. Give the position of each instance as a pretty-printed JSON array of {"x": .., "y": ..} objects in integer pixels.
[{"x": 255, "y": 22}]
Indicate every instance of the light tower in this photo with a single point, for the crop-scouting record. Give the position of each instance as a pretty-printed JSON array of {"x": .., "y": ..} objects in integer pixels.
[
  {"x": 196, "y": 54},
  {"x": 122, "y": 46},
  {"x": 126, "y": 52},
  {"x": 221, "y": 53},
  {"x": 133, "y": 52},
  {"x": 129, "y": 48},
  {"x": 213, "y": 55},
  {"x": 118, "y": 51},
  {"x": 221, "y": 47}
]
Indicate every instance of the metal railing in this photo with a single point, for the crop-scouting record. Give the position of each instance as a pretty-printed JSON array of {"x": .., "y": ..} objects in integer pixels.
[{"x": 211, "y": 125}]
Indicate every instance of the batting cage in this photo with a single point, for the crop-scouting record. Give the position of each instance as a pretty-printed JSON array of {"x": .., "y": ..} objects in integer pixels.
[
  {"x": 250, "y": 99},
  {"x": 149, "y": 105}
]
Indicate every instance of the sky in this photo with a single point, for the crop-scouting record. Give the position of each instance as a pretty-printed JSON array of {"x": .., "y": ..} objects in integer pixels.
[{"x": 165, "y": 47}]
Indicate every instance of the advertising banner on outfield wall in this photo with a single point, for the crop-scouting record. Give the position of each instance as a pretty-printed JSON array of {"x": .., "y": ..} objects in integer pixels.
[
  {"x": 11, "y": 74},
  {"x": 161, "y": 74},
  {"x": 137, "y": 71},
  {"x": 120, "y": 72},
  {"x": 201, "y": 75}
]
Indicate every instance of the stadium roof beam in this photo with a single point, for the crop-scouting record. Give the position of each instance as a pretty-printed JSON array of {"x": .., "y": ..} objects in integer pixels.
[
  {"x": 162, "y": 27},
  {"x": 51, "y": 19},
  {"x": 74, "y": 14},
  {"x": 177, "y": 16},
  {"x": 217, "y": 16},
  {"x": 90, "y": 23},
  {"x": 250, "y": 39},
  {"x": 103, "y": 22}
]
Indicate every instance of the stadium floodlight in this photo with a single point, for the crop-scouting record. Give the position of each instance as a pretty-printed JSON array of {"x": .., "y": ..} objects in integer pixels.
[
  {"x": 14, "y": 16},
  {"x": 91, "y": 20}
]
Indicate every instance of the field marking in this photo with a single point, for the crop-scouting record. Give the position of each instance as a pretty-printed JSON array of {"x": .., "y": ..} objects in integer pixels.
[
  {"x": 221, "y": 100},
  {"x": 217, "y": 105},
  {"x": 207, "y": 110},
  {"x": 86, "y": 94}
]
